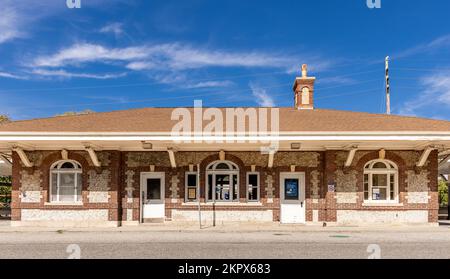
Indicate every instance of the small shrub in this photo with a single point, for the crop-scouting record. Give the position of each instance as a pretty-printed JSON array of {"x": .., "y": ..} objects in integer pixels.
[{"x": 443, "y": 193}]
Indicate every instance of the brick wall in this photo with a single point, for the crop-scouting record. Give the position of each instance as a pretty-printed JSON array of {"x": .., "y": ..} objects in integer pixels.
[
  {"x": 120, "y": 172},
  {"x": 100, "y": 188}
]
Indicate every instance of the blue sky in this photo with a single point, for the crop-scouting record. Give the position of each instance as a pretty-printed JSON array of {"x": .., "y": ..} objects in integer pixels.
[{"x": 117, "y": 54}]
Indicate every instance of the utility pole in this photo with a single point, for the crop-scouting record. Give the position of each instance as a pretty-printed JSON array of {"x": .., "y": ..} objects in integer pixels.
[{"x": 388, "y": 88}]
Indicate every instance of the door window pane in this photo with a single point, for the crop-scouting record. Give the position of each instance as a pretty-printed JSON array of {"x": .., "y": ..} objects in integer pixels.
[
  {"x": 192, "y": 180},
  {"x": 153, "y": 189},
  {"x": 210, "y": 186},
  {"x": 223, "y": 189},
  {"x": 291, "y": 186},
  {"x": 252, "y": 187},
  {"x": 191, "y": 184},
  {"x": 235, "y": 187},
  {"x": 253, "y": 180},
  {"x": 253, "y": 194}
]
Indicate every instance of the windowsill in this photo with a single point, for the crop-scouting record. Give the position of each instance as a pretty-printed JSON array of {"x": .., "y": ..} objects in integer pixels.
[
  {"x": 225, "y": 203},
  {"x": 381, "y": 204},
  {"x": 64, "y": 203}
]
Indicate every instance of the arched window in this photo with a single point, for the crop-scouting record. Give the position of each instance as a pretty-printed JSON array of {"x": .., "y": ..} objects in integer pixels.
[
  {"x": 65, "y": 181},
  {"x": 305, "y": 96},
  {"x": 222, "y": 180},
  {"x": 380, "y": 181}
]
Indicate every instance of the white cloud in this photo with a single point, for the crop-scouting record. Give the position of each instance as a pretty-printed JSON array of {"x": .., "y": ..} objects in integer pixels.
[
  {"x": 436, "y": 94},
  {"x": 85, "y": 53},
  {"x": 139, "y": 66},
  {"x": 65, "y": 74},
  {"x": 206, "y": 84},
  {"x": 12, "y": 76},
  {"x": 181, "y": 80},
  {"x": 171, "y": 56},
  {"x": 439, "y": 86},
  {"x": 18, "y": 17},
  {"x": 262, "y": 98},
  {"x": 115, "y": 28},
  {"x": 10, "y": 23},
  {"x": 441, "y": 42}
]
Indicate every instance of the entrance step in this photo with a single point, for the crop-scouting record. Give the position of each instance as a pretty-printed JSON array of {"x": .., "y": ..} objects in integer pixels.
[{"x": 153, "y": 220}]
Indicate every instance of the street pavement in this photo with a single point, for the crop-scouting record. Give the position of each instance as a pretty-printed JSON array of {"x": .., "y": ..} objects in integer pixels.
[{"x": 228, "y": 243}]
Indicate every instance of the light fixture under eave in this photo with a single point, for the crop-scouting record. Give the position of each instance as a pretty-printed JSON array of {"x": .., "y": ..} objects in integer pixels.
[
  {"x": 295, "y": 145},
  {"x": 147, "y": 145}
]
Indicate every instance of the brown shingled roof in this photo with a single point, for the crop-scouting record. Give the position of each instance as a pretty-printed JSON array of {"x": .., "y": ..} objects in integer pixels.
[{"x": 291, "y": 120}]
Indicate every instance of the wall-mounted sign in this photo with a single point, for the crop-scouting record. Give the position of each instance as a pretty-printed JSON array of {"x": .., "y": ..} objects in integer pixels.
[
  {"x": 291, "y": 189},
  {"x": 331, "y": 187},
  {"x": 192, "y": 193}
]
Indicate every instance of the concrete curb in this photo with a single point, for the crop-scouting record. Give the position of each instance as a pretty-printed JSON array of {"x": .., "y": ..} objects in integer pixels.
[{"x": 239, "y": 228}]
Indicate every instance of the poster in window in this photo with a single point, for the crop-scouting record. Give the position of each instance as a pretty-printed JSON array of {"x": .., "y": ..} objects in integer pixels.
[
  {"x": 291, "y": 189},
  {"x": 192, "y": 193},
  {"x": 376, "y": 194}
]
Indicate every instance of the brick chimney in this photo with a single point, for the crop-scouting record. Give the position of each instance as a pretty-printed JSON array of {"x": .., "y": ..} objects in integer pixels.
[{"x": 304, "y": 90}]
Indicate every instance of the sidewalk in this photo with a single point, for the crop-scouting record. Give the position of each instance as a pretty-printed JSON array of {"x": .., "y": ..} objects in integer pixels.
[{"x": 235, "y": 227}]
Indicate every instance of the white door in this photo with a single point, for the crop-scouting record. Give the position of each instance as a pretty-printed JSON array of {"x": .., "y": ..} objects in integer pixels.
[
  {"x": 152, "y": 196},
  {"x": 292, "y": 197}
]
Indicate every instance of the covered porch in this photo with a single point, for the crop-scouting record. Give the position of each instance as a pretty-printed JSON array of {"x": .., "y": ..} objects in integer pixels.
[{"x": 307, "y": 179}]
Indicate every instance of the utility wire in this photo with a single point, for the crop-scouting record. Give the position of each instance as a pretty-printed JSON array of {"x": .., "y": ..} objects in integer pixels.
[
  {"x": 207, "y": 94},
  {"x": 161, "y": 83}
]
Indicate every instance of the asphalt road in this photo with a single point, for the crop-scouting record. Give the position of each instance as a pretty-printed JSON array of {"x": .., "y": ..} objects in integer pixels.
[{"x": 218, "y": 245}]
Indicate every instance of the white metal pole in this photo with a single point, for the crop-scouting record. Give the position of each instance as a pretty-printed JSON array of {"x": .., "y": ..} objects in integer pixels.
[
  {"x": 388, "y": 89},
  {"x": 198, "y": 197}
]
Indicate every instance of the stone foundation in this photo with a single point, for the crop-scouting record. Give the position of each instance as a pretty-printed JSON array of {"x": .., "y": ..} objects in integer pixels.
[
  {"x": 224, "y": 216},
  {"x": 65, "y": 218},
  {"x": 361, "y": 217}
]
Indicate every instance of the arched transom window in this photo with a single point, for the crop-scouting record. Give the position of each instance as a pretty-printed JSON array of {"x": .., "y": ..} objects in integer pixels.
[
  {"x": 222, "y": 180},
  {"x": 65, "y": 181},
  {"x": 380, "y": 181}
]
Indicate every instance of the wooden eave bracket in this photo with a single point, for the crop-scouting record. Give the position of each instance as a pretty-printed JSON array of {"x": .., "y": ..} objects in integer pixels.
[
  {"x": 23, "y": 156},
  {"x": 173, "y": 162},
  {"x": 423, "y": 158},
  {"x": 93, "y": 156},
  {"x": 271, "y": 158},
  {"x": 350, "y": 156}
]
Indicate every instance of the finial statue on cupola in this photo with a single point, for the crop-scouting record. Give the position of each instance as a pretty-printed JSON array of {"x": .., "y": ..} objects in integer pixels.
[
  {"x": 304, "y": 70},
  {"x": 304, "y": 90}
]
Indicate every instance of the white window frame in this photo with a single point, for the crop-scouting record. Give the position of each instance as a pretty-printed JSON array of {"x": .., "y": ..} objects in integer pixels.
[
  {"x": 186, "y": 187},
  {"x": 391, "y": 169},
  {"x": 258, "y": 187},
  {"x": 211, "y": 170},
  {"x": 58, "y": 171}
]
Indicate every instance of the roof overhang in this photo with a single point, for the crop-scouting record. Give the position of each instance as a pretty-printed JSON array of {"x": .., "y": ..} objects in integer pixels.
[{"x": 232, "y": 141}]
